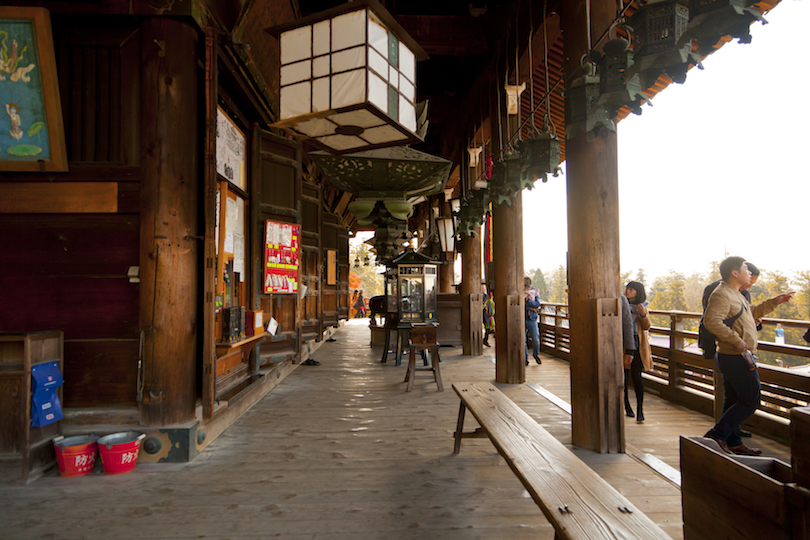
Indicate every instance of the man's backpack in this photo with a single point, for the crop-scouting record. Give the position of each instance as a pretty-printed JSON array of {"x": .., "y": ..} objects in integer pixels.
[{"x": 706, "y": 340}]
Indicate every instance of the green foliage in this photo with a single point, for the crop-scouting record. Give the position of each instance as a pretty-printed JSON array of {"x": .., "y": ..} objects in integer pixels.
[
  {"x": 371, "y": 280},
  {"x": 557, "y": 284},
  {"x": 667, "y": 293}
]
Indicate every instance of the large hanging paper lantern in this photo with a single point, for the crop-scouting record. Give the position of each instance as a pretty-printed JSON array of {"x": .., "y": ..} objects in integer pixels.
[{"x": 348, "y": 78}]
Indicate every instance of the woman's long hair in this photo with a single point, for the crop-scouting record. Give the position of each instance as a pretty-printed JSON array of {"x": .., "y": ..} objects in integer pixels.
[{"x": 641, "y": 296}]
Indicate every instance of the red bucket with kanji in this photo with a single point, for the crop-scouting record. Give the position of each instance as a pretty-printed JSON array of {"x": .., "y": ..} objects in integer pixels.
[
  {"x": 75, "y": 455},
  {"x": 119, "y": 451}
]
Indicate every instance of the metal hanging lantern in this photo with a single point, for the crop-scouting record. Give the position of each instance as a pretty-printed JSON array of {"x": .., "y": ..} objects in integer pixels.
[
  {"x": 581, "y": 110},
  {"x": 710, "y": 20},
  {"x": 657, "y": 29},
  {"x": 348, "y": 78},
  {"x": 471, "y": 214},
  {"x": 540, "y": 156},
  {"x": 507, "y": 178},
  {"x": 616, "y": 88}
]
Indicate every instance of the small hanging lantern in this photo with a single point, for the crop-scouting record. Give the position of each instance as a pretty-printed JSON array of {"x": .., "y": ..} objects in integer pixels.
[
  {"x": 348, "y": 78},
  {"x": 507, "y": 178},
  {"x": 471, "y": 214},
  {"x": 540, "y": 156},
  {"x": 616, "y": 88},
  {"x": 710, "y": 20},
  {"x": 581, "y": 111},
  {"x": 657, "y": 29}
]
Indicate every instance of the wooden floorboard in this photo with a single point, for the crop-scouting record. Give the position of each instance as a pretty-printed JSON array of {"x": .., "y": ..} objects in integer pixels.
[{"x": 341, "y": 451}]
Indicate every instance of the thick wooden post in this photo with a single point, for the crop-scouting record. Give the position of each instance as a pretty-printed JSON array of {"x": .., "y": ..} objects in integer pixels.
[
  {"x": 593, "y": 257},
  {"x": 472, "y": 342},
  {"x": 510, "y": 330},
  {"x": 446, "y": 273},
  {"x": 169, "y": 231}
]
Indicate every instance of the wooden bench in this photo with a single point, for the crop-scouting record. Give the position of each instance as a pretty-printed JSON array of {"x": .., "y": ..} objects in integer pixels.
[{"x": 577, "y": 502}]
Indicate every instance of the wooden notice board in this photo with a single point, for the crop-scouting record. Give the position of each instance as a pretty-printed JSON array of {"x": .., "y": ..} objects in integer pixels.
[{"x": 281, "y": 257}]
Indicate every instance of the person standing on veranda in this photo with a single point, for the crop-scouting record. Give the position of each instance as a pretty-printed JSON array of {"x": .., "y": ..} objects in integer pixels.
[
  {"x": 639, "y": 359},
  {"x": 736, "y": 347}
]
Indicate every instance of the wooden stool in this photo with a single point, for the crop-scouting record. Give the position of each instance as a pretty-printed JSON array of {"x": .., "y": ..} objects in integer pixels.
[{"x": 423, "y": 337}]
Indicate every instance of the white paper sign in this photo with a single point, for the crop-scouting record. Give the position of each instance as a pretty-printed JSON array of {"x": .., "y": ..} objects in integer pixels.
[
  {"x": 272, "y": 326},
  {"x": 239, "y": 255},
  {"x": 231, "y": 146},
  {"x": 228, "y": 243}
]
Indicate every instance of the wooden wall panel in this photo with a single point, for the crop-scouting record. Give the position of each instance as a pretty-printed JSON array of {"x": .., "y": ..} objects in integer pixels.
[
  {"x": 58, "y": 198},
  {"x": 94, "y": 245},
  {"x": 100, "y": 373},
  {"x": 91, "y": 62},
  {"x": 278, "y": 184},
  {"x": 83, "y": 307}
]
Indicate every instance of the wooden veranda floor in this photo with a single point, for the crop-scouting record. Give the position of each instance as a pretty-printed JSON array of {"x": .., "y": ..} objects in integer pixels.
[{"x": 341, "y": 451}]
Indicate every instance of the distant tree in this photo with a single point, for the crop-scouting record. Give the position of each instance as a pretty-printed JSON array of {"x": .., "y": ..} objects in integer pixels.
[
  {"x": 693, "y": 292},
  {"x": 668, "y": 292},
  {"x": 361, "y": 276},
  {"x": 557, "y": 283},
  {"x": 641, "y": 277},
  {"x": 802, "y": 298},
  {"x": 624, "y": 277}
]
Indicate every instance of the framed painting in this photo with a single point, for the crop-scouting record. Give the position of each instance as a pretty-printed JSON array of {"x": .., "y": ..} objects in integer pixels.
[{"x": 32, "y": 135}]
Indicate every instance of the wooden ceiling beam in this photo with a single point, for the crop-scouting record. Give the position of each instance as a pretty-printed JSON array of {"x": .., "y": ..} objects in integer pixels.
[{"x": 446, "y": 35}]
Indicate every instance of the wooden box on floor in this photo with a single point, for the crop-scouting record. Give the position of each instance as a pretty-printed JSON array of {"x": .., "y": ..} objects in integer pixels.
[
  {"x": 25, "y": 452},
  {"x": 740, "y": 497},
  {"x": 448, "y": 313}
]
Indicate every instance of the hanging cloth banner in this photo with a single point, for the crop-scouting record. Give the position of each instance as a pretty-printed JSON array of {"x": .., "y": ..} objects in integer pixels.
[{"x": 488, "y": 237}]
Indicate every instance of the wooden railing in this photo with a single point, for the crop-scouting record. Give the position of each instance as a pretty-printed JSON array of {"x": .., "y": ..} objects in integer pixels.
[{"x": 680, "y": 373}]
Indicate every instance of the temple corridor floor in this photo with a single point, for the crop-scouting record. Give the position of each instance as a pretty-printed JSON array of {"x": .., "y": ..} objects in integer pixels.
[{"x": 340, "y": 451}]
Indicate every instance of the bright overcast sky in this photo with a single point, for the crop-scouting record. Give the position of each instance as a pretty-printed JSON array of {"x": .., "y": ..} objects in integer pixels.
[{"x": 715, "y": 166}]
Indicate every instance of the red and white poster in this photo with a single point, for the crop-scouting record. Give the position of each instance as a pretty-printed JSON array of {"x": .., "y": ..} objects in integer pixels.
[{"x": 281, "y": 256}]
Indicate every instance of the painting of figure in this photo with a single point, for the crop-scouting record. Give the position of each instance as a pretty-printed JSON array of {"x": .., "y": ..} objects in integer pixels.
[{"x": 31, "y": 131}]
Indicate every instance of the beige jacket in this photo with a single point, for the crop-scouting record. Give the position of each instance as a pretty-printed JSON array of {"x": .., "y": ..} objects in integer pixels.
[
  {"x": 724, "y": 303},
  {"x": 644, "y": 349}
]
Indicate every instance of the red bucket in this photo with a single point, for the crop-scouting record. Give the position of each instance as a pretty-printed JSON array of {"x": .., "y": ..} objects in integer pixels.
[
  {"x": 76, "y": 455},
  {"x": 119, "y": 451}
]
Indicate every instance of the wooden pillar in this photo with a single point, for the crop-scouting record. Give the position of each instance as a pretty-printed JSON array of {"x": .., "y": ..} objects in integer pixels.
[
  {"x": 507, "y": 254},
  {"x": 169, "y": 230},
  {"x": 446, "y": 275},
  {"x": 510, "y": 330},
  {"x": 593, "y": 257},
  {"x": 472, "y": 341}
]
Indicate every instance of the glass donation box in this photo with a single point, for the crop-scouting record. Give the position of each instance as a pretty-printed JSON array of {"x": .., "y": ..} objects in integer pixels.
[{"x": 416, "y": 279}]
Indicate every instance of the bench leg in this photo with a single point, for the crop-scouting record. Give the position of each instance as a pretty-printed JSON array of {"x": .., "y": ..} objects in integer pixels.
[
  {"x": 400, "y": 346},
  {"x": 410, "y": 375},
  {"x": 385, "y": 347},
  {"x": 437, "y": 374},
  {"x": 459, "y": 426}
]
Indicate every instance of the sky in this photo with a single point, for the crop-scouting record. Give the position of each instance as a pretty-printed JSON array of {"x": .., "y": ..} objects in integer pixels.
[{"x": 715, "y": 167}]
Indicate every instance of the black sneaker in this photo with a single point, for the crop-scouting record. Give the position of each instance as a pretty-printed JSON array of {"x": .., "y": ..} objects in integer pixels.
[{"x": 745, "y": 433}]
